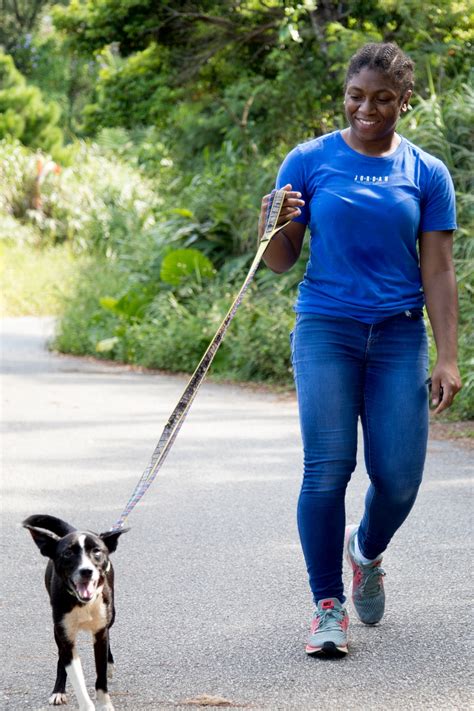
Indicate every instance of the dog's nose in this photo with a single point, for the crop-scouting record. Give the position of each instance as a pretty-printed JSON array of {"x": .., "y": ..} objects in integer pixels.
[{"x": 86, "y": 573}]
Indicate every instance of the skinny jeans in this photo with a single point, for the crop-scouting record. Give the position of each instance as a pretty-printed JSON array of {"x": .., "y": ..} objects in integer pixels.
[{"x": 345, "y": 370}]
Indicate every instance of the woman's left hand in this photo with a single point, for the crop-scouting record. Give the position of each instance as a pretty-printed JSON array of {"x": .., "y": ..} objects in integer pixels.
[{"x": 445, "y": 383}]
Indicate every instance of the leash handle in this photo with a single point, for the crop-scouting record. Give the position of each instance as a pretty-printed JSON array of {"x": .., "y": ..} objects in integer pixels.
[{"x": 178, "y": 415}]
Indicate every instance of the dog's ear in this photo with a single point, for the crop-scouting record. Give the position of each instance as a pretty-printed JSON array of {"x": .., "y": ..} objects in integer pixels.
[
  {"x": 49, "y": 523},
  {"x": 45, "y": 540},
  {"x": 110, "y": 538}
]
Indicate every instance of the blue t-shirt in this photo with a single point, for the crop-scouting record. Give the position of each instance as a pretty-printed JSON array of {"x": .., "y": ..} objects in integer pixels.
[{"x": 365, "y": 215}]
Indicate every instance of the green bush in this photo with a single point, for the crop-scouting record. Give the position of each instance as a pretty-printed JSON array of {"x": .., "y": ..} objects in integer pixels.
[
  {"x": 173, "y": 331},
  {"x": 130, "y": 92},
  {"x": 100, "y": 204},
  {"x": 17, "y": 175},
  {"x": 84, "y": 322},
  {"x": 24, "y": 114},
  {"x": 97, "y": 203}
]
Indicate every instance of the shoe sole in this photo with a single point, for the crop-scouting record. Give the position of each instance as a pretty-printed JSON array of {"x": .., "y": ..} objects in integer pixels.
[{"x": 328, "y": 650}]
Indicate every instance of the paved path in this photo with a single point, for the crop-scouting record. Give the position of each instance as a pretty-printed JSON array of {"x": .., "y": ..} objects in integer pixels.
[{"x": 211, "y": 586}]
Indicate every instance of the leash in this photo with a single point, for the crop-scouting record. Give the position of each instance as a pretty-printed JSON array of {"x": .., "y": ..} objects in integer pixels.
[{"x": 178, "y": 415}]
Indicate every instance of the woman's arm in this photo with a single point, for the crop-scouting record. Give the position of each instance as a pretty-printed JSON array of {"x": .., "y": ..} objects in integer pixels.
[
  {"x": 439, "y": 286},
  {"x": 285, "y": 247}
]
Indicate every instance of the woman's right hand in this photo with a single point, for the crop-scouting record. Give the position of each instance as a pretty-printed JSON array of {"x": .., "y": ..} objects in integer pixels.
[{"x": 290, "y": 208}]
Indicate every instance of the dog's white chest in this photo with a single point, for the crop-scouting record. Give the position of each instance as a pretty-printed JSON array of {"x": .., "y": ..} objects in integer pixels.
[{"x": 91, "y": 617}]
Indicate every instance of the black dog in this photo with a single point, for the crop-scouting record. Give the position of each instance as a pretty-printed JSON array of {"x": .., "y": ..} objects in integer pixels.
[{"x": 80, "y": 582}]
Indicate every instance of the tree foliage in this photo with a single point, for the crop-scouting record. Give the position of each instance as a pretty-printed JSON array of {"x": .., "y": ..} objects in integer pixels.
[
  {"x": 23, "y": 112},
  {"x": 132, "y": 91},
  {"x": 18, "y": 18},
  {"x": 253, "y": 72}
]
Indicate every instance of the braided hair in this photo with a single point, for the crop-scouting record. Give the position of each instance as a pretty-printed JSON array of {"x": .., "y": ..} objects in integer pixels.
[{"x": 386, "y": 58}]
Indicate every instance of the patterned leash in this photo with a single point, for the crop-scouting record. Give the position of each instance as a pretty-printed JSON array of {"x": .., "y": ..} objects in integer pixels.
[{"x": 178, "y": 415}]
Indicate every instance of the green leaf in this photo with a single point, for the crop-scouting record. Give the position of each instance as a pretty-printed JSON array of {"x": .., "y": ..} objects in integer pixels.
[
  {"x": 108, "y": 303},
  {"x": 131, "y": 305},
  {"x": 181, "y": 264},
  {"x": 182, "y": 211},
  {"x": 106, "y": 344}
]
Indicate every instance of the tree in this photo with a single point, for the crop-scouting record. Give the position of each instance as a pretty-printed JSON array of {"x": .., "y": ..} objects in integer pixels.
[
  {"x": 18, "y": 20},
  {"x": 23, "y": 112},
  {"x": 18, "y": 17},
  {"x": 206, "y": 71}
]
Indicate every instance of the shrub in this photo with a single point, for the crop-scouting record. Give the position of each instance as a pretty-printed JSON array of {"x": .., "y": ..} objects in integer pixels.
[
  {"x": 17, "y": 174},
  {"x": 98, "y": 204},
  {"x": 24, "y": 114},
  {"x": 172, "y": 330},
  {"x": 83, "y": 321},
  {"x": 130, "y": 92}
]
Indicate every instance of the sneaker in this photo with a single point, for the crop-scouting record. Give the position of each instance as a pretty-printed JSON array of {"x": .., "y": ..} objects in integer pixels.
[
  {"x": 328, "y": 635},
  {"x": 368, "y": 594}
]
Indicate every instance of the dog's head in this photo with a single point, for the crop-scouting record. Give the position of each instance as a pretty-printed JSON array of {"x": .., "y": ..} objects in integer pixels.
[{"x": 80, "y": 558}]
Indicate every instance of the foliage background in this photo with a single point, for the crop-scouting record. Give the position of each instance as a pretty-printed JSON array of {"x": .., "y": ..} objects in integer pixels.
[{"x": 166, "y": 123}]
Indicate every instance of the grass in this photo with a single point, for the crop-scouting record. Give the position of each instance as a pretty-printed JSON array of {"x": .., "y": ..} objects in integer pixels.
[{"x": 35, "y": 282}]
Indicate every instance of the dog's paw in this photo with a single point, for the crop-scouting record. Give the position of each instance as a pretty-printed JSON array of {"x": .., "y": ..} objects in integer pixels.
[
  {"x": 57, "y": 699},
  {"x": 110, "y": 670},
  {"x": 103, "y": 702}
]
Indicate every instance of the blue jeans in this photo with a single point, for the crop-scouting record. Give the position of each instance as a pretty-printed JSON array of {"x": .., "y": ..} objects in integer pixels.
[{"x": 345, "y": 369}]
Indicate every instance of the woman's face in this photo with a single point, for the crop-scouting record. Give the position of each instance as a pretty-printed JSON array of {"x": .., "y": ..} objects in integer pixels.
[{"x": 373, "y": 105}]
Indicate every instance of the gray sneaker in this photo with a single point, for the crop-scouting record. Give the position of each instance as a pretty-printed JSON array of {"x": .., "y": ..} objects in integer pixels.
[
  {"x": 328, "y": 635},
  {"x": 368, "y": 594}
]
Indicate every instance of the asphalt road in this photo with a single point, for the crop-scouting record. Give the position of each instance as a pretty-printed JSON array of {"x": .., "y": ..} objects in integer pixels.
[{"x": 211, "y": 587}]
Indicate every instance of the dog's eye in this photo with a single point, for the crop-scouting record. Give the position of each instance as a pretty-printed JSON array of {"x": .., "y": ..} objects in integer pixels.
[
  {"x": 97, "y": 553},
  {"x": 68, "y": 553}
]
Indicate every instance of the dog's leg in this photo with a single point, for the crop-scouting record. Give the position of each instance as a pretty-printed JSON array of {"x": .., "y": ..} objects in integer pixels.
[
  {"x": 110, "y": 660},
  {"x": 110, "y": 663},
  {"x": 76, "y": 675},
  {"x": 58, "y": 697},
  {"x": 73, "y": 668},
  {"x": 101, "y": 654}
]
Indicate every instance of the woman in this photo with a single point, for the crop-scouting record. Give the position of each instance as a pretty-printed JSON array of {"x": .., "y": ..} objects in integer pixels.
[{"x": 381, "y": 213}]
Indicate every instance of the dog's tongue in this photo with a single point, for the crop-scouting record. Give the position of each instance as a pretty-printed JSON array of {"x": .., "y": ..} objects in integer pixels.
[{"x": 86, "y": 590}]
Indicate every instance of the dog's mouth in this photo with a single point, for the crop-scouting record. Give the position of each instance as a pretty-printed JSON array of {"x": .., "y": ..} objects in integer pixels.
[{"x": 85, "y": 591}]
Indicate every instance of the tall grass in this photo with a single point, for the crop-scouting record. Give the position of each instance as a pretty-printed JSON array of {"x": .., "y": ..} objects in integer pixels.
[{"x": 35, "y": 282}]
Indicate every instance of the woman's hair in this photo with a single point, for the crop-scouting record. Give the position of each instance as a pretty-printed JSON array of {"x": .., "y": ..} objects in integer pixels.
[{"x": 387, "y": 58}]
